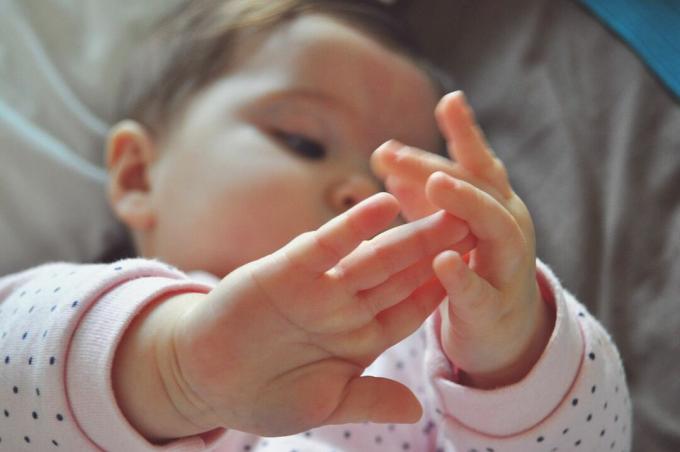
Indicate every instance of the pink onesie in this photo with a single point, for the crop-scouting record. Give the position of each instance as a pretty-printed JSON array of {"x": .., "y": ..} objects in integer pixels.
[{"x": 60, "y": 325}]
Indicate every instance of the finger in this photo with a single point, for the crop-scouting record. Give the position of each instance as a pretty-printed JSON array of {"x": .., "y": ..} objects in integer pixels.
[
  {"x": 381, "y": 156},
  {"x": 375, "y": 261},
  {"x": 376, "y": 399},
  {"x": 397, "y": 287},
  {"x": 466, "y": 245},
  {"x": 494, "y": 227},
  {"x": 410, "y": 163},
  {"x": 459, "y": 126},
  {"x": 466, "y": 143},
  {"x": 402, "y": 319},
  {"x": 411, "y": 196},
  {"x": 318, "y": 251},
  {"x": 472, "y": 298}
]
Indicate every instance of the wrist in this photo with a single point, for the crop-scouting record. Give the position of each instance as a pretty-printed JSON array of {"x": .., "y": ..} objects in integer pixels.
[
  {"x": 147, "y": 390},
  {"x": 531, "y": 340}
]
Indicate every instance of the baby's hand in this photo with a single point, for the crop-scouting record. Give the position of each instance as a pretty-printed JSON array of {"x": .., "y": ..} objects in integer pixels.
[
  {"x": 279, "y": 345},
  {"x": 495, "y": 324}
]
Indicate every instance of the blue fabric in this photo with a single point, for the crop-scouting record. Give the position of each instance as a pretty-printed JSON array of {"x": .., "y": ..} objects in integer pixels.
[{"x": 651, "y": 28}]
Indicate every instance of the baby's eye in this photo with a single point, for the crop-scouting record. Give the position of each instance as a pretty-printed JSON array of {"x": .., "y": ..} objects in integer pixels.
[{"x": 302, "y": 145}]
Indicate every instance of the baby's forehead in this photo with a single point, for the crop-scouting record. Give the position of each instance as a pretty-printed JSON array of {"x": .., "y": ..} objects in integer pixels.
[
  {"x": 318, "y": 52},
  {"x": 382, "y": 94}
]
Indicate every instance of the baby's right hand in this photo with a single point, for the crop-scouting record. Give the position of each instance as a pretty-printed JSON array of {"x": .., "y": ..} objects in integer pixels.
[{"x": 280, "y": 344}]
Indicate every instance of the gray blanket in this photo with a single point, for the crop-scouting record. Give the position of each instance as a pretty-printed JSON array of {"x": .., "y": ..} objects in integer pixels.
[{"x": 592, "y": 143}]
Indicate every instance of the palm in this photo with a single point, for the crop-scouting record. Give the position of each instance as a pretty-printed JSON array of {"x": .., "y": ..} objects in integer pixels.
[{"x": 293, "y": 331}]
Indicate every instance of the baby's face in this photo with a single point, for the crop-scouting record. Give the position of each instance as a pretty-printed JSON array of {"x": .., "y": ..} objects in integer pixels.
[{"x": 281, "y": 144}]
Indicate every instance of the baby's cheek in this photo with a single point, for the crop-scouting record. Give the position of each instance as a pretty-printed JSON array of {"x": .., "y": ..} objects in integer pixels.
[{"x": 276, "y": 211}]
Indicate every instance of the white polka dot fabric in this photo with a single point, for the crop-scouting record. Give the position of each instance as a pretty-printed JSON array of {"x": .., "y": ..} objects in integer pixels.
[{"x": 60, "y": 324}]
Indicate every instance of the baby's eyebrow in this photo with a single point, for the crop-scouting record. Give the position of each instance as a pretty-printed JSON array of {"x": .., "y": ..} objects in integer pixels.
[{"x": 307, "y": 95}]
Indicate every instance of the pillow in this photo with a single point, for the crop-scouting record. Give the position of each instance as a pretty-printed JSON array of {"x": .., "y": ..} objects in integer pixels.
[{"x": 60, "y": 65}]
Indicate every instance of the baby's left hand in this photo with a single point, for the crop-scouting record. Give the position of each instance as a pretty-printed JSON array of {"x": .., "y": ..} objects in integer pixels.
[{"x": 495, "y": 324}]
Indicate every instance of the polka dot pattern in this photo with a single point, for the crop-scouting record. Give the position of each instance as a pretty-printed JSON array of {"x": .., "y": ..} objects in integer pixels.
[
  {"x": 594, "y": 415},
  {"x": 44, "y": 307},
  {"x": 39, "y": 312},
  {"x": 580, "y": 421}
]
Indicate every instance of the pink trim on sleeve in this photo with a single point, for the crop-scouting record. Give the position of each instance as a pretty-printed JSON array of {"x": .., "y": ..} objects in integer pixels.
[
  {"x": 512, "y": 409},
  {"x": 92, "y": 349}
]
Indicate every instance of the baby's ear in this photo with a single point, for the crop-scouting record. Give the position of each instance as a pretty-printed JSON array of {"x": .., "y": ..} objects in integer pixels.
[{"x": 130, "y": 152}]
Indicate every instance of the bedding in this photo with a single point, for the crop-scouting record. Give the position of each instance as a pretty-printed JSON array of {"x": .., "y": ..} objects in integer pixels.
[
  {"x": 651, "y": 29},
  {"x": 590, "y": 135},
  {"x": 591, "y": 139},
  {"x": 59, "y": 70}
]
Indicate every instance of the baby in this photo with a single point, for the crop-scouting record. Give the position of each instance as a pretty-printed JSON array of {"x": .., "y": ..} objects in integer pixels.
[{"x": 247, "y": 154}]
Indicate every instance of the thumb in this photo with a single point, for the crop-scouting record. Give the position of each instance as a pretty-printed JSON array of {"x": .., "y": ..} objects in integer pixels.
[{"x": 376, "y": 399}]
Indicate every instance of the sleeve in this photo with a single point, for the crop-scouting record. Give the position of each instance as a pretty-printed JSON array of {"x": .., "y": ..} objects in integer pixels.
[
  {"x": 61, "y": 324},
  {"x": 575, "y": 397}
]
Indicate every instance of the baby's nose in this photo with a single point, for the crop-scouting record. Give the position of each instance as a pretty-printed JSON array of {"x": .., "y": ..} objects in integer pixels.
[{"x": 351, "y": 191}]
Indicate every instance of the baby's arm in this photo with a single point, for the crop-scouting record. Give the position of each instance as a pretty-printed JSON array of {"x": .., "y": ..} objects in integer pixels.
[
  {"x": 60, "y": 324},
  {"x": 288, "y": 334},
  {"x": 506, "y": 325},
  {"x": 279, "y": 345}
]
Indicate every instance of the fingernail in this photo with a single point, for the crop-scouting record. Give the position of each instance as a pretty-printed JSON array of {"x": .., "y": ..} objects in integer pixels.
[
  {"x": 463, "y": 96},
  {"x": 390, "y": 148},
  {"x": 383, "y": 154},
  {"x": 467, "y": 108},
  {"x": 403, "y": 150},
  {"x": 443, "y": 175},
  {"x": 387, "y": 144}
]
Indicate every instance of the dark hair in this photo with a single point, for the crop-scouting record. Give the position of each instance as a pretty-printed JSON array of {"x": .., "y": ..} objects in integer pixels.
[{"x": 192, "y": 47}]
